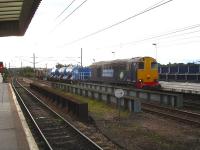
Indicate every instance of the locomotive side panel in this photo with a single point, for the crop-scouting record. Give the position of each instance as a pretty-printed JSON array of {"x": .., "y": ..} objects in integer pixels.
[
  {"x": 120, "y": 72},
  {"x": 96, "y": 73},
  {"x": 132, "y": 74},
  {"x": 115, "y": 72}
]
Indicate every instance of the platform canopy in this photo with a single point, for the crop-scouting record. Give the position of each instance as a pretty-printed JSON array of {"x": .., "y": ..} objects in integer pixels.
[{"x": 16, "y": 15}]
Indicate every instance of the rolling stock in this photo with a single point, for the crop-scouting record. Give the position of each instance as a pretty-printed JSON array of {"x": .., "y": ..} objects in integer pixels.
[
  {"x": 81, "y": 73},
  {"x": 42, "y": 73},
  {"x": 140, "y": 72}
]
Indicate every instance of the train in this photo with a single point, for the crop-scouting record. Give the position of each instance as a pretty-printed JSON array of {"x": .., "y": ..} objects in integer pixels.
[
  {"x": 140, "y": 72},
  {"x": 1, "y": 67}
]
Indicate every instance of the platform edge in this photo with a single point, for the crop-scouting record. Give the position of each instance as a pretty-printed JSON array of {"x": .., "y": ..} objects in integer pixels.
[{"x": 31, "y": 141}]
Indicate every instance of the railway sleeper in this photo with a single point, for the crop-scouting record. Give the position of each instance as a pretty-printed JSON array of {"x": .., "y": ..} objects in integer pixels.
[
  {"x": 68, "y": 143},
  {"x": 54, "y": 129},
  {"x": 56, "y": 133},
  {"x": 51, "y": 123},
  {"x": 60, "y": 138}
]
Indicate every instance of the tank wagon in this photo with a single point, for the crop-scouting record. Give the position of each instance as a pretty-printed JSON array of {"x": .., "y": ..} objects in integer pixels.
[
  {"x": 141, "y": 72},
  {"x": 70, "y": 73},
  {"x": 54, "y": 73},
  {"x": 81, "y": 73},
  {"x": 62, "y": 72}
]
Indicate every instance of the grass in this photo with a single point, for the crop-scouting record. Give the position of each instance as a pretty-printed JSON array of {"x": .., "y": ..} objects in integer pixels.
[
  {"x": 103, "y": 111},
  {"x": 97, "y": 107}
]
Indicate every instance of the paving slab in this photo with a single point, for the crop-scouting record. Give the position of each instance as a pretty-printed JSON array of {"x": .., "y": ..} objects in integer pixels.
[{"x": 12, "y": 134}]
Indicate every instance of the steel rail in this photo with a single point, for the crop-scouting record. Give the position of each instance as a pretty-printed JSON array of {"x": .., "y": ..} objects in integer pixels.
[
  {"x": 32, "y": 118},
  {"x": 79, "y": 132},
  {"x": 192, "y": 122},
  {"x": 183, "y": 112},
  {"x": 191, "y": 105},
  {"x": 173, "y": 116}
]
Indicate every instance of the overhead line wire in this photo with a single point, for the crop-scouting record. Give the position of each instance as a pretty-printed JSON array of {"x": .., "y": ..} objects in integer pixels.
[
  {"x": 68, "y": 15},
  {"x": 65, "y": 9},
  {"x": 80, "y": 6},
  {"x": 122, "y": 21},
  {"x": 162, "y": 35},
  {"x": 180, "y": 36},
  {"x": 186, "y": 38},
  {"x": 179, "y": 43},
  {"x": 72, "y": 12},
  {"x": 173, "y": 32}
]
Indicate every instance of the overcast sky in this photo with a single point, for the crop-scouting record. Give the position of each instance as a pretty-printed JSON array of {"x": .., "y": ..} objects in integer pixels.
[{"x": 52, "y": 39}]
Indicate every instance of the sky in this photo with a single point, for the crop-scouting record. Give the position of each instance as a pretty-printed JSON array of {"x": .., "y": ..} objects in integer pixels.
[{"x": 55, "y": 38}]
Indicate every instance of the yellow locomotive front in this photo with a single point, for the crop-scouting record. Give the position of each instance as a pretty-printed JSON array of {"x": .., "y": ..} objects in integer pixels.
[{"x": 147, "y": 73}]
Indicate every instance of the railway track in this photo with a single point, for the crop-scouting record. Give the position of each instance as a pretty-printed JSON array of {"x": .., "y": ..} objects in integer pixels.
[
  {"x": 192, "y": 105},
  {"x": 175, "y": 114},
  {"x": 54, "y": 130}
]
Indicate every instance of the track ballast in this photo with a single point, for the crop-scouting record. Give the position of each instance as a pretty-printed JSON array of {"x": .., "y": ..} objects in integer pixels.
[{"x": 56, "y": 132}]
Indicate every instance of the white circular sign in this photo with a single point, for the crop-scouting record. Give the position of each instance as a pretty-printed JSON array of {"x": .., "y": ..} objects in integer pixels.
[
  {"x": 119, "y": 93},
  {"x": 121, "y": 75}
]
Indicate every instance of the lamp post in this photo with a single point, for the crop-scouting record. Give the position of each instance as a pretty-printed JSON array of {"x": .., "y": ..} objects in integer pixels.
[
  {"x": 81, "y": 57},
  {"x": 155, "y": 44},
  {"x": 113, "y": 55}
]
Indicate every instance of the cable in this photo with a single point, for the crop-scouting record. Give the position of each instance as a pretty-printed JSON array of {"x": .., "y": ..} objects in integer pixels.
[
  {"x": 186, "y": 38},
  {"x": 120, "y": 22},
  {"x": 178, "y": 43},
  {"x": 180, "y": 34},
  {"x": 68, "y": 16},
  {"x": 162, "y": 35},
  {"x": 72, "y": 12},
  {"x": 65, "y": 9},
  {"x": 165, "y": 34},
  {"x": 154, "y": 5}
]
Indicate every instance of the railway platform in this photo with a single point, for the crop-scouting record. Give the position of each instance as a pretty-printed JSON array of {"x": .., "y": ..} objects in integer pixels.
[
  {"x": 189, "y": 88},
  {"x": 14, "y": 132}
]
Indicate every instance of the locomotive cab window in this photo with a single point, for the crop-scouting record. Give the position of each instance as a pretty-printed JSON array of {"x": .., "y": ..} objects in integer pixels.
[
  {"x": 141, "y": 65},
  {"x": 154, "y": 65}
]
